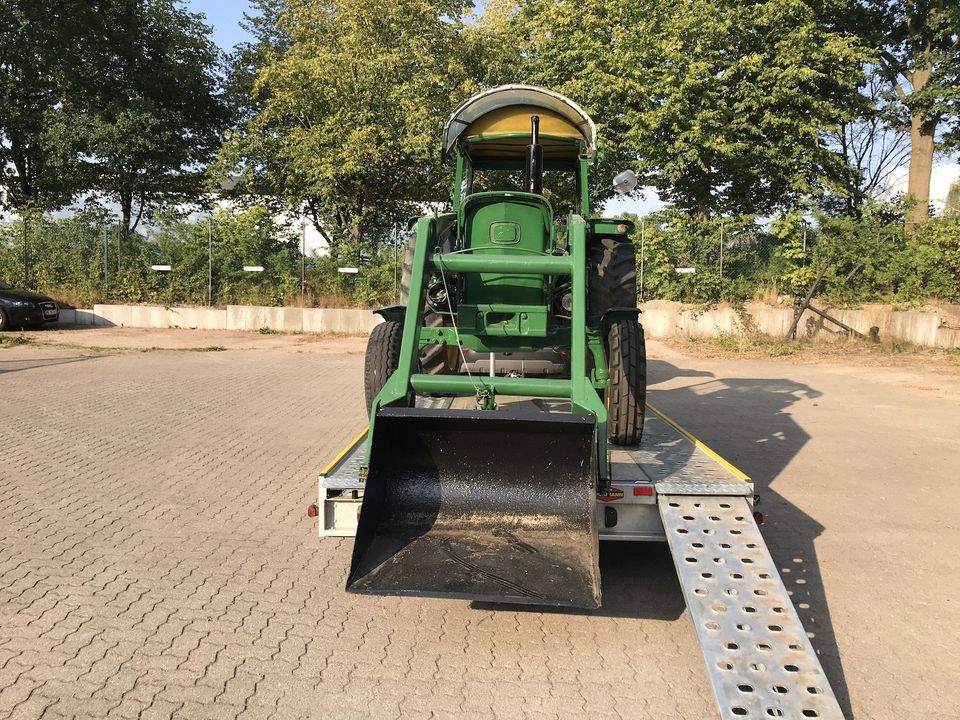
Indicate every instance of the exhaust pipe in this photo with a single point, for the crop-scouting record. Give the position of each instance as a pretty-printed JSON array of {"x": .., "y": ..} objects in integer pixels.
[{"x": 534, "y": 163}]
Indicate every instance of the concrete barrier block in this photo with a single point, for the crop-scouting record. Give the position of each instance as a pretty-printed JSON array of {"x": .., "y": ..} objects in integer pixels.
[
  {"x": 947, "y": 337},
  {"x": 660, "y": 319},
  {"x": 312, "y": 320},
  {"x": 291, "y": 319},
  {"x": 198, "y": 318},
  {"x": 84, "y": 317},
  {"x": 349, "y": 320}
]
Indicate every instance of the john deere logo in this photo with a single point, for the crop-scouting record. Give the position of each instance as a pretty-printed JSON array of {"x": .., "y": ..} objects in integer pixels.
[{"x": 504, "y": 233}]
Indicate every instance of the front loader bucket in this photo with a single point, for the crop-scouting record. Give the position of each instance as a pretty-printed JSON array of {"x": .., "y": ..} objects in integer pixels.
[{"x": 484, "y": 505}]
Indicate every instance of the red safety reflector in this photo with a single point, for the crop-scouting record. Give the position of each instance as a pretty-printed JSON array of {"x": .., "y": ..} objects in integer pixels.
[
  {"x": 313, "y": 511},
  {"x": 758, "y": 517},
  {"x": 642, "y": 490}
]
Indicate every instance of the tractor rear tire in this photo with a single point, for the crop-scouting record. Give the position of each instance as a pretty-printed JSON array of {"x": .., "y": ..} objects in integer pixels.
[
  {"x": 613, "y": 275},
  {"x": 626, "y": 398},
  {"x": 434, "y": 359},
  {"x": 382, "y": 358}
]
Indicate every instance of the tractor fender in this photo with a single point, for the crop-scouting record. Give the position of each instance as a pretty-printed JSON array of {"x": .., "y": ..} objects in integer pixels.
[
  {"x": 614, "y": 314},
  {"x": 391, "y": 312}
]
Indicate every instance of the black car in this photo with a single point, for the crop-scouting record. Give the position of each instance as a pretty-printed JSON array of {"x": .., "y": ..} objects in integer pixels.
[{"x": 21, "y": 308}]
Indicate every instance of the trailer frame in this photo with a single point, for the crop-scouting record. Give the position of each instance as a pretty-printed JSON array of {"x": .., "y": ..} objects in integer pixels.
[{"x": 673, "y": 488}]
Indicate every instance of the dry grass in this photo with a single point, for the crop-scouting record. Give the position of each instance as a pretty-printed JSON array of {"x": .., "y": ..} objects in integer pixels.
[
  {"x": 13, "y": 340},
  {"x": 848, "y": 350},
  {"x": 769, "y": 294}
]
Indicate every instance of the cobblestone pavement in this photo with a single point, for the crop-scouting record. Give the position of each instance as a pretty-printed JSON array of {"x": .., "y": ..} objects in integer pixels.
[{"x": 156, "y": 562}]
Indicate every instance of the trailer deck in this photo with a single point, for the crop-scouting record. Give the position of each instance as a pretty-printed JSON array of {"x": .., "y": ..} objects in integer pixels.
[{"x": 673, "y": 488}]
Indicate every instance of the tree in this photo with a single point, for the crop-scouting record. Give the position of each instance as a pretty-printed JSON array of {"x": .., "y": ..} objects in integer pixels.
[
  {"x": 349, "y": 98},
  {"x": 42, "y": 52},
  {"x": 917, "y": 46},
  {"x": 723, "y": 106},
  {"x": 120, "y": 97},
  {"x": 874, "y": 142},
  {"x": 157, "y": 114}
]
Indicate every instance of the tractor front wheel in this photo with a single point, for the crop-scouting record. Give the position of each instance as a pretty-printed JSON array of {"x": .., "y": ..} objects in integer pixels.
[
  {"x": 627, "y": 394},
  {"x": 382, "y": 358}
]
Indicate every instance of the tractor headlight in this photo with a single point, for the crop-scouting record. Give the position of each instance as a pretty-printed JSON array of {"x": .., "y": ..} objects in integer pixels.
[{"x": 566, "y": 302}]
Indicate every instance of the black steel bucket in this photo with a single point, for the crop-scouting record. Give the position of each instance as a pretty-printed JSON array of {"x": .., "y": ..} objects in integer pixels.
[{"x": 496, "y": 506}]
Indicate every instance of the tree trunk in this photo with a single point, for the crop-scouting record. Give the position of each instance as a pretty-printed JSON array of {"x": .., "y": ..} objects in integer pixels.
[
  {"x": 126, "y": 208},
  {"x": 921, "y": 167}
]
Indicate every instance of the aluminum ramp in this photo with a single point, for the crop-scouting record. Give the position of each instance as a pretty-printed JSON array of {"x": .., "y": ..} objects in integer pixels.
[{"x": 758, "y": 658}]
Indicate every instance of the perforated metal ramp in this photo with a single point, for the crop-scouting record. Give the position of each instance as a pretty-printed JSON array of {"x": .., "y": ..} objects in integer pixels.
[{"x": 758, "y": 657}]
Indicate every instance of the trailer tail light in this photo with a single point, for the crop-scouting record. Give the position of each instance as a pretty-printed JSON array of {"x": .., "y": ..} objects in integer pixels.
[
  {"x": 758, "y": 517},
  {"x": 643, "y": 490},
  {"x": 313, "y": 511}
]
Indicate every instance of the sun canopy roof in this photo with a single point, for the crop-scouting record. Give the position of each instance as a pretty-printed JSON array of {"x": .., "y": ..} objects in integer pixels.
[{"x": 497, "y": 119}]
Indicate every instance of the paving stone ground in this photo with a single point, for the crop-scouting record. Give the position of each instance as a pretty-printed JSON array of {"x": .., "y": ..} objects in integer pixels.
[{"x": 156, "y": 562}]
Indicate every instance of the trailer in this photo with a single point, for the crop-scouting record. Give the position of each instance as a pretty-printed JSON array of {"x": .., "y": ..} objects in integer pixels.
[
  {"x": 500, "y": 487},
  {"x": 673, "y": 488}
]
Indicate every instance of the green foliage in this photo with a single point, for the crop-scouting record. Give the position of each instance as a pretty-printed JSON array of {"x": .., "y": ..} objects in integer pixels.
[
  {"x": 348, "y": 100},
  {"x": 66, "y": 261},
  {"x": 874, "y": 260},
  {"x": 870, "y": 260},
  {"x": 156, "y": 116},
  {"x": 119, "y": 97},
  {"x": 867, "y": 260},
  {"x": 952, "y": 205},
  {"x": 669, "y": 240},
  {"x": 915, "y": 47},
  {"x": 13, "y": 340},
  {"x": 721, "y": 105},
  {"x": 39, "y": 56}
]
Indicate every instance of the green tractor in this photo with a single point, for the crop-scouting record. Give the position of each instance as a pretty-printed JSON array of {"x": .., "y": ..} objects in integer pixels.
[{"x": 484, "y": 486}]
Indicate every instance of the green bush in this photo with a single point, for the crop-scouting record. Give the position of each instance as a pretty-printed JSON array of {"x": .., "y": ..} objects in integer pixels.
[
  {"x": 66, "y": 259},
  {"x": 870, "y": 259}
]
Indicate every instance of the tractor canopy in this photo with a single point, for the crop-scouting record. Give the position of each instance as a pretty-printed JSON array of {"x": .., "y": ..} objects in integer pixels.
[{"x": 494, "y": 125}]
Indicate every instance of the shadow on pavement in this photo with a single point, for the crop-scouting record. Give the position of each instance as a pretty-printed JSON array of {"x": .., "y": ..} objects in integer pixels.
[
  {"x": 746, "y": 420},
  {"x": 638, "y": 581},
  {"x": 12, "y": 366}
]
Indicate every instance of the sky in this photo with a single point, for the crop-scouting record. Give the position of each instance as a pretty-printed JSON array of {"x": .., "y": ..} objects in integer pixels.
[{"x": 225, "y": 17}]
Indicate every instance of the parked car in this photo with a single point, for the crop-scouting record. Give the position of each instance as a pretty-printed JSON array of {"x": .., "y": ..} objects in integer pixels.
[{"x": 22, "y": 308}]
